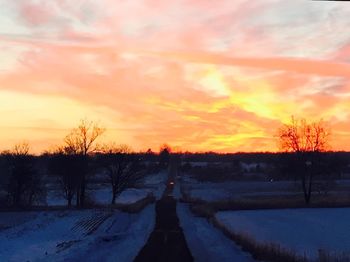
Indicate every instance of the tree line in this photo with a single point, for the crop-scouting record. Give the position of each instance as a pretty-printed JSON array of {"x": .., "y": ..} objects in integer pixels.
[
  {"x": 72, "y": 163},
  {"x": 304, "y": 155}
]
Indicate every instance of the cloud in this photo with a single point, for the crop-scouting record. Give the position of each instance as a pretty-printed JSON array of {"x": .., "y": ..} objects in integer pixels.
[
  {"x": 195, "y": 74},
  {"x": 301, "y": 66},
  {"x": 35, "y": 14}
]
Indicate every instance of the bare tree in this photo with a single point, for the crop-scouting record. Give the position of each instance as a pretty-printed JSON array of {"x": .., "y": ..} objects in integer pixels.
[
  {"x": 24, "y": 183},
  {"x": 306, "y": 141},
  {"x": 66, "y": 167},
  {"x": 300, "y": 136},
  {"x": 121, "y": 167},
  {"x": 82, "y": 141},
  {"x": 21, "y": 149}
]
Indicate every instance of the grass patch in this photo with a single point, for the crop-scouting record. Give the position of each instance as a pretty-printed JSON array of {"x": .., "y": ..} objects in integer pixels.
[{"x": 207, "y": 209}]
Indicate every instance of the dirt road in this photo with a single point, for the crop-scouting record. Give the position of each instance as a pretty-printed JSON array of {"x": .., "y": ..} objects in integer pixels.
[{"x": 167, "y": 241}]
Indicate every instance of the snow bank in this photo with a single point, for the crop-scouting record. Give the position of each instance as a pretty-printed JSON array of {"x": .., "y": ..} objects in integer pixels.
[
  {"x": 302, "y": 230},
  {"x": 131, "y": 195},
  {"x": 128, "y": 196},
  {"x": 206, "y": 242}
]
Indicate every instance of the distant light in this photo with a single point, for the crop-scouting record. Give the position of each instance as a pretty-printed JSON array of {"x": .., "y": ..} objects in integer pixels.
[{"x": 171, "y": 183}]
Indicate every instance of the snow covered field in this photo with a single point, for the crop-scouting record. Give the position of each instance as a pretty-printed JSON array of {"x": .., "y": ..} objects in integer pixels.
[
  {"x": 238, "y": 190},
  {"x": 81, "y": 235},
  {"x": 102, "y": 196},
  {"x": 301, "y": 230},
  {"x": 74, "y": 235},
  {"x": 233, "y": 190}
]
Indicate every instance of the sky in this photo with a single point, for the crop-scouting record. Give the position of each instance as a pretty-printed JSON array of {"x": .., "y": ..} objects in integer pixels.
[{"x": 199, "y": 75}]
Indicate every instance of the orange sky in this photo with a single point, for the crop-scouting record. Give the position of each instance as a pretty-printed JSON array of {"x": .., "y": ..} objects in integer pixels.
[{"x": 198, "y": 75}]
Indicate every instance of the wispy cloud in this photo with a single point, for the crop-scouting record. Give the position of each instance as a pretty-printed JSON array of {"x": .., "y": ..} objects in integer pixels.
[{"x": 196, "y": 74}]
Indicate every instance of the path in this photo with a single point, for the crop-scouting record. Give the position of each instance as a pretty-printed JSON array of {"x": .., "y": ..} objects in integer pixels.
[{"x": 167, "y": 241}]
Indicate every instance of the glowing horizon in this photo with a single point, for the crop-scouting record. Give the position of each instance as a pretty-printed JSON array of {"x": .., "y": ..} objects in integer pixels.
[{"x": 197, "y": 75}]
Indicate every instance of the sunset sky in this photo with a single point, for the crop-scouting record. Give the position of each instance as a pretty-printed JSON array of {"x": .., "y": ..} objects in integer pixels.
[{"x": 199, "y": 75}]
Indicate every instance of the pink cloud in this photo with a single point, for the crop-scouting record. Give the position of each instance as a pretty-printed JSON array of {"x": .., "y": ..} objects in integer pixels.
[
  {"x": 35, "y": 14},
  {"x": 132, "y": 57}
]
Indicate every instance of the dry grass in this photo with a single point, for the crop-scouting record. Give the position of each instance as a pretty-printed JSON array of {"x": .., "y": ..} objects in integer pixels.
[
  {"x": 260, "y": 251},
  {"x": 207, "y": 209},
  {"x": 324, "y": 256}
]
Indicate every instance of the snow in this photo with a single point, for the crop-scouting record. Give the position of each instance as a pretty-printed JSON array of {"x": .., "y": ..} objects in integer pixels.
[
  {"x": 301, "y": 230},
  {"x": 176, "y": 191},
  {"x": 248, "y": 167},
  {"x": 211, "y": 194},
  {"x": 155, "y": 179},
  {"x": 89, "y": 235},
  {"x": 233, "y": 190},
  {"x": 156, "y": 183},
  {"x": 101, "y": 194},
  {"x": 205, "y": 241},
  {"x": 128, "y": 196},
  {"x": 55, "y": 198},
  {"x": 198, "y": 164},
  {"x": 73, "y": 235},
  {"x": 131, "y": 195},
  {"x": 10, "y": 219}
]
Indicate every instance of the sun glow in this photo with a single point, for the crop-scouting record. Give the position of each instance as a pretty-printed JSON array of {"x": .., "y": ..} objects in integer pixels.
[
  {"x": 183, "y": 73},
  {"x": 46, "y": 120}
]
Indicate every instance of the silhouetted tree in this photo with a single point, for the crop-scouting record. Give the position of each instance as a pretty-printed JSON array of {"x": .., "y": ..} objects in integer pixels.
[
  {"x": 82, "y": 141},
  {"x": 66, "y": 167},
  {"x": 121, "y": 166},
  {"x": 306, "y": 141},
  {"x": 164, "y": 155},
  {"x": 24, "y": 184}
]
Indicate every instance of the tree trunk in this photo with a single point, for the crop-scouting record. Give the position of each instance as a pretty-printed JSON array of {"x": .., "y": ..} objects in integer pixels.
[
  {"x": 82, "y": 192},
  {"x": 78, "y": 196},
  {"x": 30, "y": 199},
  {"x": 17, "y": 196},
  {"x": 307, "y": 187},
  {"x": 114, "y": 195}
]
